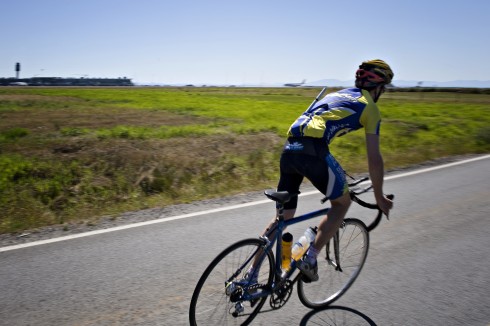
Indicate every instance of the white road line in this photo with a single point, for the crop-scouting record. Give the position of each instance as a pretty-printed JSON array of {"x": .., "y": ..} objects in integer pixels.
[{"x": 163, "y": 219}]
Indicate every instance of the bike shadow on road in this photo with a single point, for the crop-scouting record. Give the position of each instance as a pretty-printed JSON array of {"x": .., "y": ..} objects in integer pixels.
[{"x": 336, "y": 315}]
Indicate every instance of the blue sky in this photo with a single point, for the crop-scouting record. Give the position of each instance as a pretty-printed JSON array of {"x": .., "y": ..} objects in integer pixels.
[{"x": 240, "y": 42}]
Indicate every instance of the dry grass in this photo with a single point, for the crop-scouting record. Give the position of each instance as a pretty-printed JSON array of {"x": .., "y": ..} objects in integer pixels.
[{"x": 49, "y": 121}]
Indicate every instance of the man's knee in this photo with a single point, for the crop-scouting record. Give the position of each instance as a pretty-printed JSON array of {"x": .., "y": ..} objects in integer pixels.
[{"x": 343, "y": 201}]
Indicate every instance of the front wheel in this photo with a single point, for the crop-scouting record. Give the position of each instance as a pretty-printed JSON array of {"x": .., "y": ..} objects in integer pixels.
[
  {"x": 211, "y": 302},
  {"x": 336, "y": 276}
]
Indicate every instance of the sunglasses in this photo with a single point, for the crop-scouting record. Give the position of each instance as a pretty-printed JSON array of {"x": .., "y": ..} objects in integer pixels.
[{"x": 371, "y": 76}]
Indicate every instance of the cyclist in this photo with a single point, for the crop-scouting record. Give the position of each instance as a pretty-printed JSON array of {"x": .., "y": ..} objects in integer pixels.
[{"x": 306, "y": 153}]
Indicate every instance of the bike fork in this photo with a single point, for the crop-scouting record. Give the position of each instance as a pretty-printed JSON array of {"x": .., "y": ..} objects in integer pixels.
[{"x": 335, "y": 263}]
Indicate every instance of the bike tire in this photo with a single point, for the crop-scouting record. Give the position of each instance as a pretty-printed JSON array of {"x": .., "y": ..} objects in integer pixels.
[
  {"x": 210, "y": 305},
  {"x": 332, "y": 283}
]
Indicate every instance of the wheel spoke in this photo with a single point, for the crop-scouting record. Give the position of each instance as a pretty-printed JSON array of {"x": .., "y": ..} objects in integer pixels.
[{"x": 332, "y": 284}]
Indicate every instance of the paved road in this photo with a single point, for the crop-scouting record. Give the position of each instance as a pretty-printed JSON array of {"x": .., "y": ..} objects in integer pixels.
[{"x": 429, "y": 265}]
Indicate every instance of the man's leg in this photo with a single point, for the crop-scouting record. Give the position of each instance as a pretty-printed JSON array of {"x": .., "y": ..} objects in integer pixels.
[
  {"x": 330, "y": 223},
  {"x": 288, "y": 181},
  {"x": 326, "y": 230},
  {"x": 288, "y": 214}
]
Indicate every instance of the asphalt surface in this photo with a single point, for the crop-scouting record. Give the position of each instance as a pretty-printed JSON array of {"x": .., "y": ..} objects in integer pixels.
[{"x": 428, "y": 265}]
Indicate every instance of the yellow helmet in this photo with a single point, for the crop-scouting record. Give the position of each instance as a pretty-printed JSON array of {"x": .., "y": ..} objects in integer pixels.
[{"x": 380, "y": 68}]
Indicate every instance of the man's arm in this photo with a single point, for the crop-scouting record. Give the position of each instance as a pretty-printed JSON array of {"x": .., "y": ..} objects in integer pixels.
[{"x": 376, "y": 172}]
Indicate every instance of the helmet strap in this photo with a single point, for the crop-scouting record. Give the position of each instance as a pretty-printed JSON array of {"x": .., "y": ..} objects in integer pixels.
[
  {"x": 364, "y": 83},
  {"x": 378, "y": 90}
]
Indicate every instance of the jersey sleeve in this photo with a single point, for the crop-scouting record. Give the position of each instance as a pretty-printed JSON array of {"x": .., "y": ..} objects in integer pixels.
[{"x": 371, "y": 118}]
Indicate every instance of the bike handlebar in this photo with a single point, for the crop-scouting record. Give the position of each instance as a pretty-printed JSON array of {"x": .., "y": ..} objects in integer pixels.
[
  {"x": 361, "y": 202},
  {"x": 354, "y": 197}
]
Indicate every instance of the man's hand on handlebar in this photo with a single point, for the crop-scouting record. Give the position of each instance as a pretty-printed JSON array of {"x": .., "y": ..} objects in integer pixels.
[{"x": 384, "y": 204}]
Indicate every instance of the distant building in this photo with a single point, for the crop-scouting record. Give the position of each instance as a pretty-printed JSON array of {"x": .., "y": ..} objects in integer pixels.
[{"x": 58, "y": 81}]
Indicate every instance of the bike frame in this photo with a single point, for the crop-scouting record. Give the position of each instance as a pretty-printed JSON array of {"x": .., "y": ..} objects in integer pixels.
[{"x": 279, "y": 227}]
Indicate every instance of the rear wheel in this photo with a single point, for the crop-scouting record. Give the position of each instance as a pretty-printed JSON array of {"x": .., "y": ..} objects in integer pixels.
[
  {"x": 211, "y": 302},
  {"x": 335, "y": 280}
]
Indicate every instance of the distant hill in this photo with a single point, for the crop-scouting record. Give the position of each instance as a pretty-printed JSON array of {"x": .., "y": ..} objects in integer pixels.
[
  {"x": 343, "y": 83},
  {"x": 408, "y": 83}
]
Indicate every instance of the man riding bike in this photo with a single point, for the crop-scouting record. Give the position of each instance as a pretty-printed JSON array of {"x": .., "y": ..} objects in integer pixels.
[{"x": 306, "y": 153}]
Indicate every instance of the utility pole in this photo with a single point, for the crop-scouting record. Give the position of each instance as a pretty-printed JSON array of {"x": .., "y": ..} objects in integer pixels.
[{"x": 17, "y": 70}]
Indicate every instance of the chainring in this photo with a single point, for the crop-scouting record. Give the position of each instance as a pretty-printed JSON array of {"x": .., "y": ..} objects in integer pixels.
[{"x": 279, "y": 298}]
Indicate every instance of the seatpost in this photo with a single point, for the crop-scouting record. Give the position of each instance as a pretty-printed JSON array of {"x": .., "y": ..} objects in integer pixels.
[{"x": 280, "y": 211}]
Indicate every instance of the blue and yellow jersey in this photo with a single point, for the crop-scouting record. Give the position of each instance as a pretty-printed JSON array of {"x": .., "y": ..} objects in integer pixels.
[{"x": 337, "y": 114}]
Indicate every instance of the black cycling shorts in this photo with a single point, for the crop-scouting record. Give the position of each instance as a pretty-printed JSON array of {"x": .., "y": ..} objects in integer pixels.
[{"x": 309, "y": 157}]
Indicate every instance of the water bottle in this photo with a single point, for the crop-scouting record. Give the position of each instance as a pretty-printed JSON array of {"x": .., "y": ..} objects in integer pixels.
[
  {"x": 303, "y": 243},
  {"x": 287, "y": 241}
]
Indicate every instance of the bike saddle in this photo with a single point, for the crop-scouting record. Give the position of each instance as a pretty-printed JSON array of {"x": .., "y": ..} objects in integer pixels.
[{"x": 279, "y": 196}]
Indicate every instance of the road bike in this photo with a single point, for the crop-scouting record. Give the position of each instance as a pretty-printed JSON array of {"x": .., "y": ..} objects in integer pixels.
[{"x": 225, "y": 296}]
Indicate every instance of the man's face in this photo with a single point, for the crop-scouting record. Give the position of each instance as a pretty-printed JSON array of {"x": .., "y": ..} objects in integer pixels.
[{"x": 367, "y": 80}]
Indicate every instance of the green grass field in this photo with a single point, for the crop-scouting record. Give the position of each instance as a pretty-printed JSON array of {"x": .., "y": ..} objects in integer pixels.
[{"x": 71, "y": 155}]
